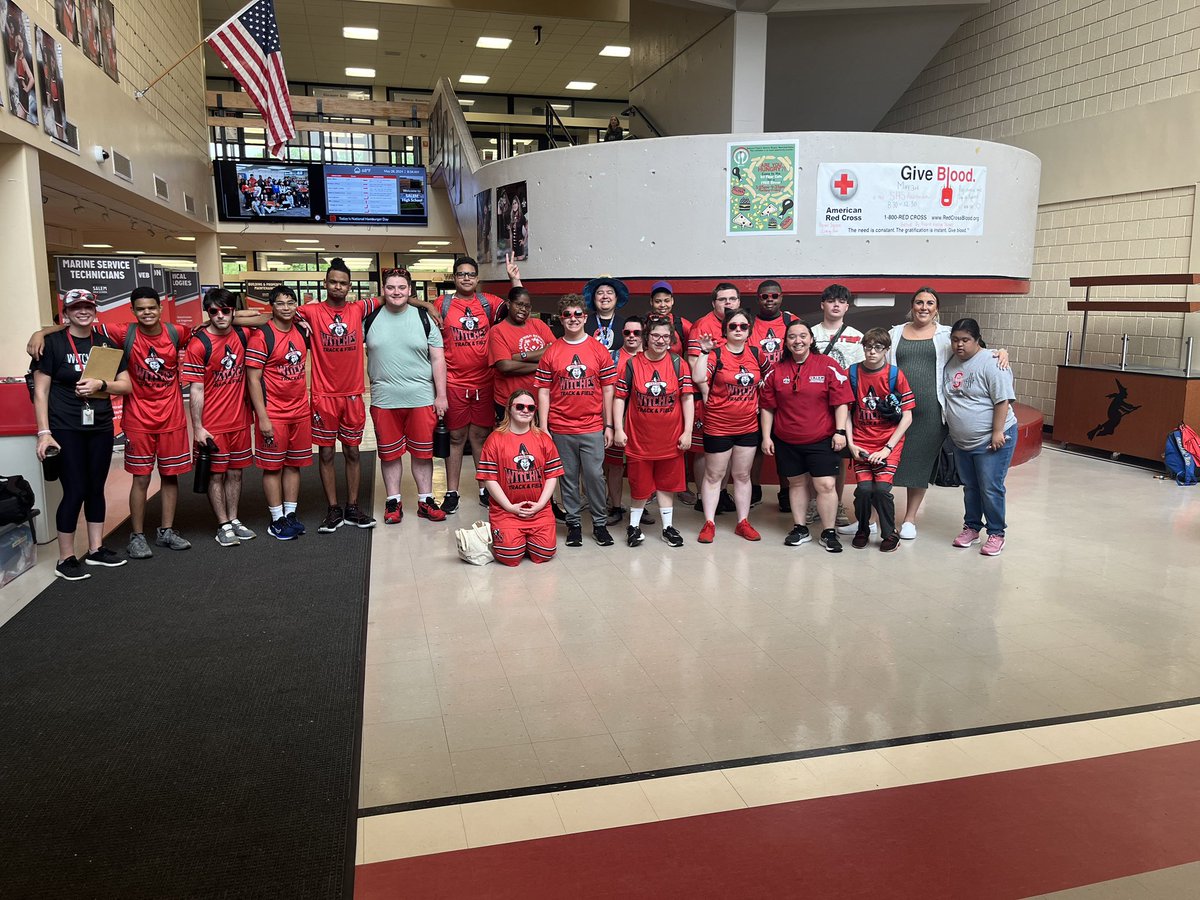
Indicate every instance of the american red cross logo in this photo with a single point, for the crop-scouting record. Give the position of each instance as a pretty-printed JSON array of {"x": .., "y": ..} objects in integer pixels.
[{"x": 844, "y": 184}]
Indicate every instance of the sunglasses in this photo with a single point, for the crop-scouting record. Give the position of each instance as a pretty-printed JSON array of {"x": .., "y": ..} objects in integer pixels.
[
  {"x": 629, "y": 333},
  {"x": 574, "y": 315},
  {"x": 524, "y": 407},
  {"x": 738, "y": 326},
  {"x": 874, "y": 346},
  {"x": 769, "y": 296},
  {"x": 221, "y": 311}
]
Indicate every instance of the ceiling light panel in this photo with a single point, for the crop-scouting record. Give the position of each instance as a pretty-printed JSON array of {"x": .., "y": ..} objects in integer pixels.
[
  {"x": 614, "y": 50},
  {"x": 474, "y": 79},
  {"x": 493, "y": 43},
  {"x": 355, "y": 72},
  {"x": 581, "y": 85},
  {"x": 355, "y": 33}
]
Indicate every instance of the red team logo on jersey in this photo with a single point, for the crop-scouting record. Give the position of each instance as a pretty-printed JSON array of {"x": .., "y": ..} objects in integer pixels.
[
  {"x": 154, "y": 368},
  {"x": 576, "y": 370}
]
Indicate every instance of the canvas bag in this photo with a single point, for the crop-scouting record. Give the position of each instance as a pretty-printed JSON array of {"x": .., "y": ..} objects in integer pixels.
[{"x": 475, "y": 543}]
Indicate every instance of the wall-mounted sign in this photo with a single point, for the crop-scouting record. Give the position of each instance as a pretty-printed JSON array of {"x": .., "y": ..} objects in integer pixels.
[
  {"x": 761, "y": 188},
  {"x": 865, "y": 199}
]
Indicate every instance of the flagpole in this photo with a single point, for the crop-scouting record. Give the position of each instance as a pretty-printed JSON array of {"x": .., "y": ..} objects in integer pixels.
[{"x": 138, "y": 95}]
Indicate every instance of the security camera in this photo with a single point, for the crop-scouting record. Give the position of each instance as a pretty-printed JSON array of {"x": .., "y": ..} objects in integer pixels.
[{"x": 101, "y": 155}]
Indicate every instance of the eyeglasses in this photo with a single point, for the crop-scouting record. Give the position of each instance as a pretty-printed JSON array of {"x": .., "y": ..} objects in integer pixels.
[
  {"x": 874, "y": 346},
  {"x": 769, "y": 296},
  {"x": 524, "y": 407},
  {"x": 629, "y": 333},
  {"x": 579, "y": 314},
  {"x": 738, "y": 326},
  {"x": 290, "y": 301},
  {"x": 660, "y": 337},
  {"x": 466, "y": 274}
]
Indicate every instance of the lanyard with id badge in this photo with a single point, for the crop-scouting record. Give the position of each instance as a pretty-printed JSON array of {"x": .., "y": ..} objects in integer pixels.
[{"x": 88, "y": 416}]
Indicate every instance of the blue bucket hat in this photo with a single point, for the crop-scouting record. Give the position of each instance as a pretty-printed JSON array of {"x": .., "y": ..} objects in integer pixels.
[{"x": 589, "y": 291}]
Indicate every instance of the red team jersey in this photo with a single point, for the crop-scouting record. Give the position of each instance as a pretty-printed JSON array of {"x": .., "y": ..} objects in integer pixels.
[
  {"x": 337, "y": 345},
  {"x": 224, "y": 380},
  {"x": 465, "y": 330},
  {"x": 767, "y": 336},
  {"x": 156, "y": 403},
  {"x": 708, "y": 324},
  {"x": 870, "y": 431},
  {"x": 520, "y": 463},
  {"x": 576, "y": 375},
  {"x": 732, "y": 405},
  {"x": 803, "y": 397},
  {"x": 505, "y": 341},
  {"x": 283, "y": 371},
  {"x": 654, "y": 406}
]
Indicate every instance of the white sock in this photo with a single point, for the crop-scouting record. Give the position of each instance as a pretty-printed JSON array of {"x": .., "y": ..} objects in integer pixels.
[
  {"x": 275, "y": 512},
  {"x": 395, "y": 497},
  {"x": 635, "y": 515},
  {"x": 424, "y": 498},
  {"x": 667, "y": 514},
  {"x": 289, "y": 507}
]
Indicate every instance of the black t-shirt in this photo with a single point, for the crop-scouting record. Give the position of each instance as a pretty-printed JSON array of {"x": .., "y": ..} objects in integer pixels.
[{"x": 59, "y": 362}]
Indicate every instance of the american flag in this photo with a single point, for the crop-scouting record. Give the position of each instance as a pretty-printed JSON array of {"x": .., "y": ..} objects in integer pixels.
[{"x": 249, "y": 46}]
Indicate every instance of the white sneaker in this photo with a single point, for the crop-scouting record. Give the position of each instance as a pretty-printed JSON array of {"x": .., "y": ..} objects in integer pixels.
[
  {"x": 852, "y": 528},
  {"x": 908, "y": 532}
]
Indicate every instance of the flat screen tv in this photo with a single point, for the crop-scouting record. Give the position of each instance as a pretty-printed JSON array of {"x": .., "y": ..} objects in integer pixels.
[
  {"x": 258, "y": 191},
  {"x": 375, "y": 195}
]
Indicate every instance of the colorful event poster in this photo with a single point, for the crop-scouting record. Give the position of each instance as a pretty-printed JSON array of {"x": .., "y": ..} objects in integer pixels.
[
  {"x": 89, "y": 29},
  {"x": 483, "y": 227},
  {"x": 866, "y": 199},
  {"x": 67, "y": 20},
  {"x": 761, "y": 188},
  {"x": 512, "y": 221},
  {"x": 17, "y": 37},
  {"x": 54, "y": 100},
  {"x": 108, "y": 40}
]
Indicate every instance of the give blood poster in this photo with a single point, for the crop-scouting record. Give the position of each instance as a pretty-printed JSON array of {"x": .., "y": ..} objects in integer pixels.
[
  {"x": 930, "y": 198},
  {"x": 761, "y": 188}
]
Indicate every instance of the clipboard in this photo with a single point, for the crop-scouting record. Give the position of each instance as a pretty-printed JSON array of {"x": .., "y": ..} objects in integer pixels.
[{"x": 103, "y": 363}]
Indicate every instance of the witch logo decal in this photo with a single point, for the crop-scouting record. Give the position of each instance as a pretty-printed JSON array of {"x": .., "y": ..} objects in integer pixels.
[
  {"x": 154, "y": 362},
  {"x": 576, "y": 369},
  {"x": 337, "y": 327},
  {"x": 743, "y": 378},
  {"x": 1118, "y": 408},
  {"x": 468, "y": 320},
  {"x": 228, "y": 359},
  {"x": 524, "y": 459},
  {"x": 656, "y": 387},
  {"x": 292, "y": 357}
]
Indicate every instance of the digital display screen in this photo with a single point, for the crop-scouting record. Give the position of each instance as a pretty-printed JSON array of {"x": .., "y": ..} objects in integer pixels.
[
  {"x": 258, "y": 191},
  {"x": 375, "y": 195}
]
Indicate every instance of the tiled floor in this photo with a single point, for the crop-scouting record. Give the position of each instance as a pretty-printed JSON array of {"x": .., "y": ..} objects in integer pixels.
[{"x": 610, "y": 661}]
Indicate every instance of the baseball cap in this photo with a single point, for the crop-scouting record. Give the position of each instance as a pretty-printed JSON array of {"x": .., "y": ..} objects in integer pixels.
[
  {"x": 661, "y": 286},
  {"x": 77, "y": 296}
]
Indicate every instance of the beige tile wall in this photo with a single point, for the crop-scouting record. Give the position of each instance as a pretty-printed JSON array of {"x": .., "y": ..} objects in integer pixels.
[{"x": 1023, "y": 65}]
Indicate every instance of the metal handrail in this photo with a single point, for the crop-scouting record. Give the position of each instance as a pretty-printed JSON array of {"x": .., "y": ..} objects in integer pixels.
[
  {"x": 632, "y": 111},
  {"x": 552, "y": 117}
]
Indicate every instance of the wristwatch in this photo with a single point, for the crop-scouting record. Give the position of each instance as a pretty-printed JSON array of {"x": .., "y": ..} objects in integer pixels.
[
  {"x": 524, "y": 355},
  {"x": 841, "y": 431}
]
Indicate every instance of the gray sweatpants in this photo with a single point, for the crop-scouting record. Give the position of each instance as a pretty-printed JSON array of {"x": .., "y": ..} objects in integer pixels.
[{"x": 582, "y": 457}]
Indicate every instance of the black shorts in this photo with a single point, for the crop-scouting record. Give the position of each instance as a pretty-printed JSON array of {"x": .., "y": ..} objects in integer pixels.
[
  {"x": 819, "y": 460},
  {"x": 720, "y": 443}
]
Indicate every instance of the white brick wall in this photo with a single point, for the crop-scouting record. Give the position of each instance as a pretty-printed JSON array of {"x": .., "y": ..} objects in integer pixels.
[{"x": 1023, "y": 65}]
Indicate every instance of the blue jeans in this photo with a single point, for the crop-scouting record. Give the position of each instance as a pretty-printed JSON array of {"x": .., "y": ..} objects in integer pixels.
[{"x": 982, "y": 473}]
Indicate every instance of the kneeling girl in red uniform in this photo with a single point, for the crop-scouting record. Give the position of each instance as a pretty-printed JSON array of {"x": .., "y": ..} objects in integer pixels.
[{"x": 519, "y": 467}]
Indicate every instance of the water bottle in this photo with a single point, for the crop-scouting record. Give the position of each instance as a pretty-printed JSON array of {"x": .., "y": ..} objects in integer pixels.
[
  {"x": 441, "y": 440},
  {"x": 203, "y": 468},
  {"x": 51, "y": 464}
]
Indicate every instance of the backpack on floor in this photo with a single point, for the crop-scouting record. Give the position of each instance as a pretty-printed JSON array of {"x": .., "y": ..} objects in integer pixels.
[
  {"x": 16, "y": 500},
  {"x": 1179, "y": 460}
]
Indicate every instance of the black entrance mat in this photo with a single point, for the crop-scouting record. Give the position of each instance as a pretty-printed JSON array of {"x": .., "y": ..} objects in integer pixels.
[{"x": 188, "y": 725}]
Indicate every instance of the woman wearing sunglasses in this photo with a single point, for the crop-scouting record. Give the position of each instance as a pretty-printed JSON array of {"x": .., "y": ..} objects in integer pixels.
[
  {"x": 728, "y": 379},
  {"x": 614, "y": 456},
  {"x": 519, "y": 467}
]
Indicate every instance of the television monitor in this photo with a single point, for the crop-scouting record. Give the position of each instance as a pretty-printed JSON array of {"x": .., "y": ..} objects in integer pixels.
[
  {"x": 259, "y": 191},
  {"x": 375, "y": 195}
]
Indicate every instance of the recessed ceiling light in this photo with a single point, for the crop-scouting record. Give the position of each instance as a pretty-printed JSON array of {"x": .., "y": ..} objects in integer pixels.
[
  {"x": 614, "y": 50},
  {"x": 184, "y": 237},
  {"x": 561, "y": 107},
  {"x": 302, "y": 240},
  {"x": 228, "y": 247},
  {"x": 474, "y": 79},
  {"x": 462, "y": 102},
  {"x": 580, "y": 85},
  {"x": 493, "y": 43},
  {"x": 131, "y": 253},
  {"x": 433, "y": 243},
  {"x": 98, "y": 246},
  {"x": 364, "y": 34},
  {"x": 355, "y": 72}
]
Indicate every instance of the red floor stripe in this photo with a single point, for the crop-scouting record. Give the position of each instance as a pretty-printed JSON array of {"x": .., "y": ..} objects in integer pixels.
[{"x": 1003, "y": 835}]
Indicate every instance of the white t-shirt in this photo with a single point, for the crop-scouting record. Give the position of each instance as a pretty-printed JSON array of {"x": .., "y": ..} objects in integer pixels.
[{"x": 846, "y": 350}]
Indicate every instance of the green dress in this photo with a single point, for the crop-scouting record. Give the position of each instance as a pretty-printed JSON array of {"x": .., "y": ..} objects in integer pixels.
[{"x": 918, "y": 361}]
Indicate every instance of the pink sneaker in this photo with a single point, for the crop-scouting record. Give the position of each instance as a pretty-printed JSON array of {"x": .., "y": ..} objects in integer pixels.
[
  {"x": 968, "y": 537},
  {"x": 993, "y": 545}
]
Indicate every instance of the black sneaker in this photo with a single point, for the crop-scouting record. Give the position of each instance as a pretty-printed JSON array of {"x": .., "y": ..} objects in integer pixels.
[
  {"x": 295, "y": 524},
  {"x": 616, "y": 514},
  {"x": 560, "y": 514},
  {"x": 575, "y": 536},
  {"x": 755, "y": 494},
  {"x": 829, "y": 540},
  {"x": 483, "y": 497},
  {"x": 601, "y": 536},
  {"x": 671, "y": 537},
  {"x": 797, "y": 536},
  {"x": 450, "y": 503},
  {"x": 634, "y": 536},
  {"x": 104, "y": 557},
  {"x": 647, "y": 516},
  {"x": 698, "y": 506},
  {"x": 71, "y": 570},
  {"x": 785, "y": 502},
  {"x": 725, "y": 504},
  {"x": 333, "y": 520},
  {"x": 352, "y": 515}
]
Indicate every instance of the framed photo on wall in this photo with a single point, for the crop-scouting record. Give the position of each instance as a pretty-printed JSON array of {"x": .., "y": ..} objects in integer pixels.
[
  {"x": 108, "y": 40},
  {"x": 66, "y": 17},
  {"x": 16, "y": 35},
  {"x": 53, "y": 96},
  {"x": 89, "y": 29}
]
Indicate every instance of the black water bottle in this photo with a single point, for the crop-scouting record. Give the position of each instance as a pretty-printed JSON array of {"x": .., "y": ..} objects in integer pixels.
[
  {"x": 51, "y": 464},
  {"x": 203, "y": 468},
  {"x": 441, "y": 440}
]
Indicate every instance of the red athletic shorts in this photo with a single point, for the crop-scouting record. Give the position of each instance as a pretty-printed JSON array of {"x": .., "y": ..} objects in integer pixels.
[
  {"x": 338, "y": 419},
  {"x": 614, "y": 456},
  {"x": 469, "y": 406},
  {"x": 171, "y": 449},
  {"x": 291, "y": 446},
  {"x": 513, "y": 537},
  {"x": 233, "y": 451},
  {"x": 398, "y": 430},
  {"x": 649, "y": 475}
]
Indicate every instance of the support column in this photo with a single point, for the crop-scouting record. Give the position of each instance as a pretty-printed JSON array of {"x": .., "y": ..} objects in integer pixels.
[
  {"x": 27, "y": 300},
  {"x": 749, "y": 71},
  {"x": 208, "y": 259}
]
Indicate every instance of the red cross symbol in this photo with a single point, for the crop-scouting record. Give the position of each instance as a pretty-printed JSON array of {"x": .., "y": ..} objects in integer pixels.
[{"x": 843, "y": 184}]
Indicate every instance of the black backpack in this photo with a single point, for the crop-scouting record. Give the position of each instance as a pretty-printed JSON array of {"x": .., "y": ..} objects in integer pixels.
[
  {"x": 16, "y": 500},
  {"x": 206, "y": 342},
  {"x": 426, "y": 322}
]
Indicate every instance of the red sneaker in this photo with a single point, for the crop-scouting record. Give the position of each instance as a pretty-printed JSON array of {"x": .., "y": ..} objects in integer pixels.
[
  {"x": 393, "y": 513},
  {"x": 745, "y": 530},
  {"x": 708, "y": 532},
  {"x": 428, "y": 509}
]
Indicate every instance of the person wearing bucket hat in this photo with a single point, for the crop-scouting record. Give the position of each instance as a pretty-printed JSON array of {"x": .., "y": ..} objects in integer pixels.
[{"x": 604, "y": 296}]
